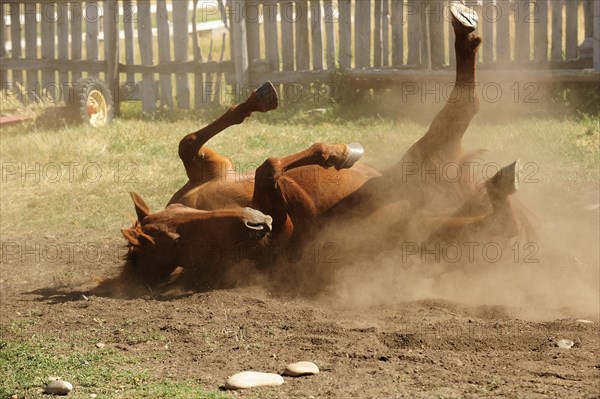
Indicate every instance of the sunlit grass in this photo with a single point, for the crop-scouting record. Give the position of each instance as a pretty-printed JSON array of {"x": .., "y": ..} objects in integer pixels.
[{"x": 78, "y": 178}]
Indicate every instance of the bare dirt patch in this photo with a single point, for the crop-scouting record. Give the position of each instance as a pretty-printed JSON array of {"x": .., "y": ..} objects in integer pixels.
[{"x": 381, "y": 348}]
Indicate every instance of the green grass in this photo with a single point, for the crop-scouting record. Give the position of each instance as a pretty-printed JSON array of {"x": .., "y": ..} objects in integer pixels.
[
  {"x": 27, "y": 364},
  {"x": 77, "y": 178}
]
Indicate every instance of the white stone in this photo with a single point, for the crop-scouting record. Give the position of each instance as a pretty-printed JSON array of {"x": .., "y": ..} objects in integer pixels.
[
  {"x": 301, "y": 368},
  {"x": 565, "y": 343},
  {"x": 100, "y": 345},
  {"x": 58, "y": 387},
  {"x": 251, "y": 379},
  {"x": 584, "y": 321}
]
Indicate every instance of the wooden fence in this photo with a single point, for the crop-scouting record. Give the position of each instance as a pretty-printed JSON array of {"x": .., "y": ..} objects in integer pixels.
[{"x": 157, "y": 47}]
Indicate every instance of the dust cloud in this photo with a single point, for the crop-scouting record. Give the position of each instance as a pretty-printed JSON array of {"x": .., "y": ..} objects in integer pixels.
[{"x": 552, "y": 272}]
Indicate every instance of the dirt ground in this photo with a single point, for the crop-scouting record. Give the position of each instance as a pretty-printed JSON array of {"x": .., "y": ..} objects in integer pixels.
[
  {"x": 425, "y": 348},
  {"x": 393, "y": 345}
]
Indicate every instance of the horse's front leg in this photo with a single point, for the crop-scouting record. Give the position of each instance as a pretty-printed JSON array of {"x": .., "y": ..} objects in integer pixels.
[{"x": 262, "y": 99}]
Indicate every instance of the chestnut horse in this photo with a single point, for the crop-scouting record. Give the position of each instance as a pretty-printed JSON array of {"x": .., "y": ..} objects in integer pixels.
[{"x": 300, "y": 198}]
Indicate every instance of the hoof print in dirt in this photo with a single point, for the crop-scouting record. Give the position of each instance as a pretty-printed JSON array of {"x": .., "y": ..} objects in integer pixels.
[
  {"x": 58, "y": 387},
  {"x": 253, "y": 379},
  {"x": 300, "y": 369}
]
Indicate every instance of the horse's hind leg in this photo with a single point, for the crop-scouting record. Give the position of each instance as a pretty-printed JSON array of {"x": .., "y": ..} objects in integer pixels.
[
  {"x": 273, "y": 192},
  {"x": 262, "y": 99},
  {"x": 452, "y": 121},
  {"x": 473, "y": 219}
]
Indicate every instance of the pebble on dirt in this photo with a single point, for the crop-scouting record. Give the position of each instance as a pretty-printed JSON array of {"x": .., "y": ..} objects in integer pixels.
[
  {"x": 100, "y": 345},
  {"x": 251, "y": 379},
  {"x": 58, "y": 387},
  {"x": 565, "y": 343},
  {"x": 299, "y": 369}
]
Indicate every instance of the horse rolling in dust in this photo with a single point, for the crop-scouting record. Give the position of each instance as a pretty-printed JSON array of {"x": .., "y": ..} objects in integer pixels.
[{"x": 293, "y": 197}]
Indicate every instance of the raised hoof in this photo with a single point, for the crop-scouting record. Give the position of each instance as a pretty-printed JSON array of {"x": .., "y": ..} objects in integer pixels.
[
  {"x": 354, "y": 152},
  {"x": 267, "y": 97},
  {"x": 505, "y": 182},
  {"x": 464, "y": 18}
]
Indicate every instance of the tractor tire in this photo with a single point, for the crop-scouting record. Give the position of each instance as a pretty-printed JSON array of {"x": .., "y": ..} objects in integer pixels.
[{"x": 93, "y": 102}]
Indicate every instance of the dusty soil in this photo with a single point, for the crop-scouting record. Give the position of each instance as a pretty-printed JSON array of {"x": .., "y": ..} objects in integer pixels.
[{"x": 424, "y": 348}]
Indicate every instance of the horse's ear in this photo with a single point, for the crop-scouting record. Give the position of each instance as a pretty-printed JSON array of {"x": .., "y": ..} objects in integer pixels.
[
  {"x": 131, "y": 235},
  {"x": 141, "y": 208}
]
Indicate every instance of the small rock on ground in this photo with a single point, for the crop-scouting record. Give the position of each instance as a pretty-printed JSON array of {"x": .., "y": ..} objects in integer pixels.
[
  {"x": 251, "y": 379},
  {"x": 565, "y": 343},
  {"x": 301, "y": 368},
  {"x": 58, "y": 387}
]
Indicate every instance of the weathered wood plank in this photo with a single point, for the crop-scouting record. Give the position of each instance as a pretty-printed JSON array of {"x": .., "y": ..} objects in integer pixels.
[
  {"x": 329, "y": 11},
  {"x": 129, "y": 10},
  {"x": 493, "y": 75},
  {"x": 3, "y": 53},
  {"x": 377, "y": 34},
  {"x": 425, "y": 39},
  {"x": 31, "y": 29},
  {"x": 571, "y": 30},
  {"x": 182, "y": 67},
  {"x": 271, "y": 34},
  {"x": 540, "y": 34},
  {"x": 316, "y": 34},
  {"x": 596, "y": 50},
  {"x": 287, "y": 35},
  {"x": 362, "y": 33},
  {"x": 76, "y": 43},
  {"x": 345, "y": 26},
  {"x": 199, "y": 101},
  {"x": 62, "y": 26},
  {"x": 111, "y": 46},
  {"x": 28, "y": 64},
  {"x": 385, "y": 32},
  {"x": 164, "y": 53},
  {"x": 588, "y": 16},
  {"x": 397, "y": 32},
  {"x": 180, "y": 45},
  {"x": 386, "y": 76},
  {"x": 522, "y": 36},
  {"x": 503, "y": 31},
  {"x": 240, "y": 43},
  {"x": 15, "y": 38},
  {"x": 413, "y": 13},
  {"x": 92, "y": 19},
  {"x": 49, "y": 82},
  {"x": 436, "y": 26},
  {"x": 252, "y": 14},
  {"x": 557, "y": 34},
  {"x": 302, "y": 50},
  {"x": 487, "y": 19},
  {"x": 146, "y": 53}
]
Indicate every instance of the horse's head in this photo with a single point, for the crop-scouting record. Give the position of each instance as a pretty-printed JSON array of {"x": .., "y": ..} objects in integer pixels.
[{"x": 187, "y": 237}]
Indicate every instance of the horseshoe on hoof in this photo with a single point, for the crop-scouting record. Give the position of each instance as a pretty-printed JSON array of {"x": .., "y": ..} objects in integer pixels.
[{"x": 465, "y": 16}]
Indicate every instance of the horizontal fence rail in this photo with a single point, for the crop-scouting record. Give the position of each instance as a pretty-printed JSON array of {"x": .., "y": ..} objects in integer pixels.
[{"x": 188, "y": 54}]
